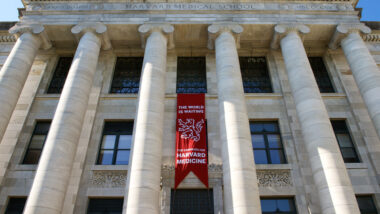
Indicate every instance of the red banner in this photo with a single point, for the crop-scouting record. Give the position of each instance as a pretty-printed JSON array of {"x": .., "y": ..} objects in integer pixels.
[{"x": 191, "y": 145}]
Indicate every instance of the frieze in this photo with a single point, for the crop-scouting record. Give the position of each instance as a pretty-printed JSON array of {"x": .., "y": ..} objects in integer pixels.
[
  {"x": 277, "y": 177},
  {"x": 187, "y": 6},
  {"x": 108, "y": 179},
  {"x": 265, "y": 177}
]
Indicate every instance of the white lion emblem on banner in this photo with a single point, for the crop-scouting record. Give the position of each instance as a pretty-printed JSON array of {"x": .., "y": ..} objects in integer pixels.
[{"x": 191, "y": 130}]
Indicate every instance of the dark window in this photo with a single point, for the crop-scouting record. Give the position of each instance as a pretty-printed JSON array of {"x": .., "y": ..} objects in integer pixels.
[
  {"x": 15, "y": 205},
  {"x": 192, "y": 201},
  {"x": 254, "y": 71},
  {"x": 191, "y": 75},
  {"x": 278, "y": 205},
  {"x": 345, "y": 142},
  {"x": 59, "y": 77},
  {"x": 126, "y": 77},
  {"x": 266, "y": 143},
  {"x": 116, "y": 143},
  {"x": 366, "y": 204},
  {"x": 36, "y": 143},
  {"x": 105, "y": 206},
  {"x": 321, "y": 75}
]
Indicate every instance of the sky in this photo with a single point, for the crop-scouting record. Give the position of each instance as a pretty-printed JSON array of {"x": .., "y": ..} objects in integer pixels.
[{"x": 371, "y": 10}]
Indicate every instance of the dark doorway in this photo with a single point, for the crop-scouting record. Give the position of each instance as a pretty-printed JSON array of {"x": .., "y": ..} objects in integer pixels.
[{"x": 192, "y": 201}]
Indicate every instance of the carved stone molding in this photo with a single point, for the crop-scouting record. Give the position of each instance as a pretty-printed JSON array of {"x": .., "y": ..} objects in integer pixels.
[
  {"x": 270, "y": 178},
  {"x": 193, "y": 5},
  {"x": 97, "y": 28},
  {"x": 108, "y": 179},
  {"x": 33, "y": 28},
  {"x": 216, "y": 29},
  {"x": 265, "y": 177},
  {"x": 213, "y": 170},
  {"x": 281, "y": 30},
  {"x": 166, "y": 29},
  {"x": 7, "y": 38},
  {"x": 343, "y": 30},
  {"x": 371, "y": 38}
]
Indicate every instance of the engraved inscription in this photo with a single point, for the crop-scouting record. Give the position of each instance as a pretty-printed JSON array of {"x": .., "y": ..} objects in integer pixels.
[{"x": 184, "y": 6}]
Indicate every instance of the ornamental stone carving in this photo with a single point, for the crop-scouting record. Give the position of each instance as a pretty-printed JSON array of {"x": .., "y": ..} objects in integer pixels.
[
  {"x": 343, "y": 30},
  {"x": 167, "y": 30},
  {"x": 108, "y": 179},
  {"x": 270, "y": 178},
  {"x": 7, "y": 38},
  {"x": 216, "y": 29},
  {"x": 33, "y": 28},
  {"x": 371, "y": 38},
  {"x": 97, "y": 28},
  {"x": 281, "y": 30}
]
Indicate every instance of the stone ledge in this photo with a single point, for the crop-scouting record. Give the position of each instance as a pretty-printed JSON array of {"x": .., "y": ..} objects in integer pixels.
[{"x": 356, "y": 166}]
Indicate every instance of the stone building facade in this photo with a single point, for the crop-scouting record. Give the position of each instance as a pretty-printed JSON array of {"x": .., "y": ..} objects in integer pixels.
[{"x": 302, "y": 131}]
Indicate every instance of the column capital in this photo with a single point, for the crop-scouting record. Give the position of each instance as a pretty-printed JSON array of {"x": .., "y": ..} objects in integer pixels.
[
  {"x": 281, "y": 30},
  {"x": 342, "y": 30},
  {"x": 32, "y": 28},
  {"x": 166, "y": 29},
  {"x": 97, "y": 28},
  {"x": 216, "y": 29}
]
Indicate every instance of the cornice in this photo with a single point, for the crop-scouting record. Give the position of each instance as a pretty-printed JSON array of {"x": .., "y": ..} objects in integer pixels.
[
  {"x": 177, "y": 1},
  {"x": 352, "y": 2}
]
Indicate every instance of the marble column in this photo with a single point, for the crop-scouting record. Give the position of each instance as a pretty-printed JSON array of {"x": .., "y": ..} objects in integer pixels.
[
  {"x": 329, "y": 171},
  {"x": 17, "y": 66},
  {"x": 143, "y": 185},
  {"x": 241, "y": 193},
  {"x": 53, "y": 172},
  {"x": 362, "y": 64}
]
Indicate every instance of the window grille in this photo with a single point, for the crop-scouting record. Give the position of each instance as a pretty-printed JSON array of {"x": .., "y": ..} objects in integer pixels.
[
  {"x": 191, "y": 75},
  {"x": 266, "y": 143},
  {"x": 192, "y": 201},
  {"x": 15, "y": 205},
  {"x": 60, "y": 74},
  {"x": 37, "y": 142},
  {"x": 321, "y": 75},
  {"x": 255, "y": 75},
  {"x": 105, "y": 206},
  {"x": 116, "y": 142},
  {"x": 278, "y": 205},
  {"x": 346, "y": 145},
  {"x": 366, "y": 204},
  {"x": 126, "y": 77}
]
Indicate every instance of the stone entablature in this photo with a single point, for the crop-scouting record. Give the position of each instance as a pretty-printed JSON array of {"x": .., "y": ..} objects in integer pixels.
[
  {"x": 352, "y": 1},
  {"x": 179, "y": 6}
]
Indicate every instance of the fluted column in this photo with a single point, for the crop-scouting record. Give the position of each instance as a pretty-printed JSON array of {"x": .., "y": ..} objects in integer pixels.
[
  {"x": 53, "y": 172},
  {"x": 143, "y": 190},
  {"x": 329, "y": 172},
  {"x": 241, "y": 193},
  {"x": 17, "y": 66},
  {"x": 362, "y": 64}
]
